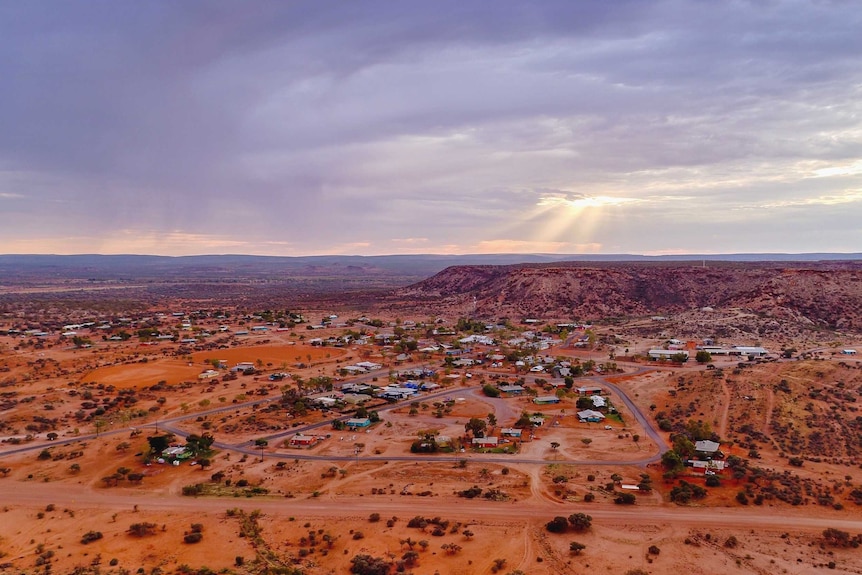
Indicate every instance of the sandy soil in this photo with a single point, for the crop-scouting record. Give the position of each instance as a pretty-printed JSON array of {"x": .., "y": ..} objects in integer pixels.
[{"x": 332, "y": 489}]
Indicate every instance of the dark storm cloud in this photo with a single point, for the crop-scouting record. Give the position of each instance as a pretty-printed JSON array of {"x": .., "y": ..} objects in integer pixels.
[{"x": 260, "y": 120}]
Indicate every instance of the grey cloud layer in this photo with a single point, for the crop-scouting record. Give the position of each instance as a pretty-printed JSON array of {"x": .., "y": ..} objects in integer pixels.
[{"x": 324, "y": 124}]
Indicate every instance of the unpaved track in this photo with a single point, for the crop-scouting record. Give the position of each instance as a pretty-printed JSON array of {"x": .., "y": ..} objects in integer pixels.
[{"x": 38, "y": 495}]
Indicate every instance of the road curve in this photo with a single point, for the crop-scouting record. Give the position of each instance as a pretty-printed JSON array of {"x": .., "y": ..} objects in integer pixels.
[{"x": 248, "y": 447}]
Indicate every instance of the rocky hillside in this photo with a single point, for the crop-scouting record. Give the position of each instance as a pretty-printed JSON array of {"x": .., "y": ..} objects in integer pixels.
[{"x": 821, "y": 294}]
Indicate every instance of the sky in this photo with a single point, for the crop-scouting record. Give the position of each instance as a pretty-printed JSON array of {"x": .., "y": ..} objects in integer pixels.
[{"x": 451, "y": 127}]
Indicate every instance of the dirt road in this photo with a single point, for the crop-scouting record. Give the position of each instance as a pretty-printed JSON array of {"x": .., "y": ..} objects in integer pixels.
[{"x": 38, "y": 495}]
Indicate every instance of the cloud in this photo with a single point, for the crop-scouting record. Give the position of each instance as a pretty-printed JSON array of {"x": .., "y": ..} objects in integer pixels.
[{"x": 302, "y": 127}]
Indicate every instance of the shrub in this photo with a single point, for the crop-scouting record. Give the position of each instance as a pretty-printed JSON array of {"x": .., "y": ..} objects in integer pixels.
[
  {"x": 625, "y": 499},
  {"x": 470, "y": 493},
  {"x": 374, "y": 518},
  {"x": 558, "y": 524},
  {"x": 193, "y": 537},
  {"x": 368, "y": 565},
  {"x": 142, "y": 529},
  {"x": 490, "y": 390},
  {"x": 192, "y": 490},
  {"x": 580, "y": 521},
  {"x": 91, "y": 536}
]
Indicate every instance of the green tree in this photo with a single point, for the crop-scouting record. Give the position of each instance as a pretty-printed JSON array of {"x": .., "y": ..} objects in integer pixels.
[
  {"x": 490, "y": 391},
  {"x": 703, "y": 357},
  {"x": 580, "y": 521},
  {"x": 683, "y": 446},
  {"x": 476, "y": 426},
  {"x": 576, "y": 547},
  {"x": 558, "y": 524},
  {"x": 159, "y": 443}
]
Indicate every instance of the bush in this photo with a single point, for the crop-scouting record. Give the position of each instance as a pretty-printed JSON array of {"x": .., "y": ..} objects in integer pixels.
[
  {"x": 470, "y": 493},
  {"x": 91, "y": 536},
  {"x": 374, "y": 518},
  {"x": 558, "y": 524},
  {"x": 490, "y": 390},
  {"x": 580, "y": 521},
  {"x": 192, "y": 490},
  {"x": 625, "y": 499},
  {"x": 653, "y": 550},
  {"x": 368, "y": 565},
  {"x": 193, "y": 537},
  {"x": 142, "y": 529}
]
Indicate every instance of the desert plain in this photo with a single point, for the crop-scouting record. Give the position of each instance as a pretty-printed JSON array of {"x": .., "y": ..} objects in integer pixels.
[{"x": 311, "y": 433}]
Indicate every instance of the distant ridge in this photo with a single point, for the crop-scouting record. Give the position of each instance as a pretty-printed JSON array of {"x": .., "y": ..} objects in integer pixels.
[
  {"x": 817, "y": 293},
  {"x": 394, "y": 270}
]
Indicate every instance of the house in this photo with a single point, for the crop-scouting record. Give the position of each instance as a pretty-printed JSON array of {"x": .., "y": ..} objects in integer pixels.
[
  {"x": 259, "y": 328},
  {"x": 706, "y": 447},
  {"x": 747, "y": 350},
  {"x": 208, "y": 374},
  {"x": 562, "y": 371},
  {"x": 705, "y": 465},
  {"x": 243, "y": 366},
  {"x": 589, "y": 390},
  {"x": 397, "y": 393},
  {"x": 357, "y": 422},
  {"x": 485, "y": 442},
  {"x": 511, "y": 389},
  {"x": 599, "y": 401},
  {"x": 176, "y": 452},
  {"x": 369, "y": 366},
  {"x": 355, "y": 398},
  {"x": 299, "y": 440},
  {"x": 537, "y": 420},
  {"x": 546, "y": 399},
  {"x": 354, "y": 369},
  {"x": 666, "y": 353},
  {"x": 325, "y": 402},
  {"x": 429, "y": 386},
  {"x": 510, "y": 432},
  {"x": 480, "y": 339},
  {"x": 590, "y": 416},
  {"x": 848, "y": 352}
]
